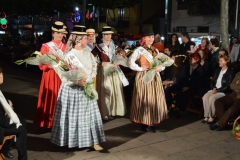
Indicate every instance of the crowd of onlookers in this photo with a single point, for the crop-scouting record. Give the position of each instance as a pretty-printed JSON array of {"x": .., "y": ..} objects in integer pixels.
[{"x": 205, "y": 70}]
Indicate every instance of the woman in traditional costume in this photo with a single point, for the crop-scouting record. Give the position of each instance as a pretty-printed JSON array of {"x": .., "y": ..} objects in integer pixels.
[
  {"x": 50, "y": 82},
  {"x": 77, "y": 121},
  {"x": 91, "y": 38},
  {"x": 148, "y": 102},
  {"x": 110, "y": 87}
]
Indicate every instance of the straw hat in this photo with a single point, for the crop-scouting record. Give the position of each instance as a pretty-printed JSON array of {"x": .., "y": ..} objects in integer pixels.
[
  {"x": 107, "y": 30},
  {"x": 80, "y": 30},
  {"x": 91, "y": 31},
  {"x": 58, "y": 27},
  {"x": 65, "y": 32}
]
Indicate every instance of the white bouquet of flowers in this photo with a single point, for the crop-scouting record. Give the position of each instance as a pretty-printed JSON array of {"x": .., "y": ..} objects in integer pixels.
[
  {"x": 159, "y": 60},
  {"x": 62, "y": 67},
  {"x": 118, "y": 58}
]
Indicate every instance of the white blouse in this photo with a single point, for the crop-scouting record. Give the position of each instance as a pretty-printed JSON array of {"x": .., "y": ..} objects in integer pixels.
[
  {"x": 89, "y": 62},
  {"x": 136, "y": 55},
  {"x": 219, "y": 80}
]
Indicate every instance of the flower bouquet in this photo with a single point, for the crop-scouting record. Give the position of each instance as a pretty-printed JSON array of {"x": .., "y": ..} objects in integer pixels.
[
  {"x": 62, "y": 67},
  {"x": 159, "y": 60},
  {"x": 128, "y": 52},
  {"x": 119, "y": 58}
]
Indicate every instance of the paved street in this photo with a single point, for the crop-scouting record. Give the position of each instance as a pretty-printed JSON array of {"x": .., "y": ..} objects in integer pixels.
[{"x": 185, "y": 138}]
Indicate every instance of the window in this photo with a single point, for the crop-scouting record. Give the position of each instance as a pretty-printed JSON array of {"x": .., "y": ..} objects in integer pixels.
[
  {"x": 182, "y": 5},
  {"x": 203, "y": 29},
  {"x": 181, "y": 29}
]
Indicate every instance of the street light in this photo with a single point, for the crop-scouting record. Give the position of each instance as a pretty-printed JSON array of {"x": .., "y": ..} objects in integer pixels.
[{"x": 76, "y": 9}]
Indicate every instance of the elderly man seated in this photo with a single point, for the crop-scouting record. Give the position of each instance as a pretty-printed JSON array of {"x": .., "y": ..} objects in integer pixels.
[
  {"x": 11, "y": 124},
  {"x": 228, "y": 107}
]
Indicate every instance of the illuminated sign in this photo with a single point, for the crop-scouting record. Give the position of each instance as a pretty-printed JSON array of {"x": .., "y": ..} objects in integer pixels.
[{"x": 3, "y": 20}]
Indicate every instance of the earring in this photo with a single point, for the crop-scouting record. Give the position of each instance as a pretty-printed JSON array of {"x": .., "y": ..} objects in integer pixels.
[{"x": 79, "y": 44}]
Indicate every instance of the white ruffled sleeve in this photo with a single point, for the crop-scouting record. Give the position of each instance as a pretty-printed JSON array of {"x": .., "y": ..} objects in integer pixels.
[{"x": 132, "y": 60}]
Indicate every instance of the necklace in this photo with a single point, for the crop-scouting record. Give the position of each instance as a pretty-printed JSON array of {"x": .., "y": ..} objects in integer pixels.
[{"x": 152, "y": 51}]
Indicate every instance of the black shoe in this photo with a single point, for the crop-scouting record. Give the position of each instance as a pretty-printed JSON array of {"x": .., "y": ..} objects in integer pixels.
[
  {"x": 143, "y": 127},
  {"x": 7, "y": 154},
  {"x": 219, "y": 129},
  {"x": 214, "y": 126},
  {"x": 150, "y": 129}
]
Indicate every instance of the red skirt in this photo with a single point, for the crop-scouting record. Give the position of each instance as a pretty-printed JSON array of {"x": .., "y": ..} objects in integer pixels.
[{"x": 47, "y": 99}]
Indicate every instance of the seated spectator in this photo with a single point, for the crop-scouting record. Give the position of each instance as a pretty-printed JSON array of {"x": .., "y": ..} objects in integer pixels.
[
  {"x": 228, "y": 107},
  {"x": 213, "y": 57},
  {"x": 204, "y": 61},
  {"x": 220, "y": 86},
  {"x": 167, "y": 51},
  {"x": 175, "y": 83},
  {"x": 12, "y": 124},
  {"x": 222, "y": 52},
  {"x": 158, "y": 44},
  {"x": 204, "y": 46},
  {"x": 195, "y": 83}
]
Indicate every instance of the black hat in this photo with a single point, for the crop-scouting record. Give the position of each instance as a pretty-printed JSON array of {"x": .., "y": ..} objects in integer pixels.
[
  {"x": 148, "y": 32},
  {"x": 107, "y": 30},
  {"x": 77, "y": 29}
]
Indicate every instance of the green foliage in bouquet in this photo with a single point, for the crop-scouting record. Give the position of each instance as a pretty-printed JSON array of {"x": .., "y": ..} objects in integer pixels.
[{"x": 88, "y": 90}]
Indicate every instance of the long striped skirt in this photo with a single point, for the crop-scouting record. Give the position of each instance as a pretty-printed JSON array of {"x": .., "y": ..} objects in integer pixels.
[
  {"x": 148, "y": 102},
  {"x": 77, "y": 120}
]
